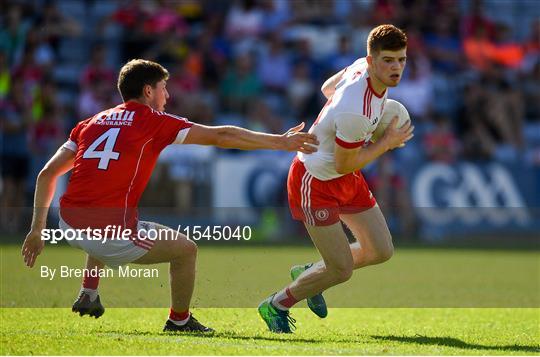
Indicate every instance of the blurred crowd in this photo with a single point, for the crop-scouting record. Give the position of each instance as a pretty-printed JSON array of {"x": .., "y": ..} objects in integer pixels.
[{"x": 472, "y": 82}]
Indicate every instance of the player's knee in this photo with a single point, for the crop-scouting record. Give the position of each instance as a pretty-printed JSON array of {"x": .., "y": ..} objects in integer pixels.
[
  {"x": 344, "y": 275},
  {"x": 341, "y": 274},
  {"x": 185, "y": 248},
  {"x": 384, "y": 254},
  {"x": 189, "y": 248}
]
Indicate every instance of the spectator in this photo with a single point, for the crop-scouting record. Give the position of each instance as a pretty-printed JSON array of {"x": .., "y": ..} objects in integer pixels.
[
  {"x": 15, "y": 117},
  {"x": 183, "y": 80},
  {"x": 261, "y": 118},
  {"x": 45, "y": 137},
  {"x": 161, "y": 18},
  {"x": 479, "y": 50},
  {"x": 43, "y": 96},
  {"x": 276, "y": 13},
  {"x": 43, "y": 52},
  {"x": 92, "y": 98},
  {"x": 302, "y": 53},
  {"x": 494, "y": 118},
  {"x": 476, "y": 22},
  {"x": 129, "y": 16},
  {"x": 13, "y": 35},
  {"x": 244, "y": 20},
  {"x": 361, "y": 26},
  {"x": 55, "y": 25},
  {"x": 213, "y": 53},
  {"x": 478, "y": 143},
  {"x": 274, "y": 68},
  {"x": 507, "y": 52},
  {"x": 28, "y": 71},
  {"x": 343, "y": 57},
  {"x": 388, "y": 12},
  {"x": 97, "y": 70},
  {"x": 444, "y": 48},
  {"x": 390, "y": 188},
  {"x": 312, "y": 12},
  {"x": 440, "y": 143},
  {"x": 530, "y": 86},
  {"x": 302, "y": 92},
  {"x": 240, "y": 85}
]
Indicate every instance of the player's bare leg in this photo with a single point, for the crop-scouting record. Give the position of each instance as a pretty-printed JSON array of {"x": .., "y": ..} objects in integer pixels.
[
  {"x": 181, "y": 253},
  {"x": 316, "y": 303},
  {"x": 373, "y": 246},
  {"x": 176, "y": 249},
  {"x": 88, "y": 302},
  {"x": 371, "y": 231},
  {"x": 374, "y": 241},
  {"x": 336, "y": 267}
]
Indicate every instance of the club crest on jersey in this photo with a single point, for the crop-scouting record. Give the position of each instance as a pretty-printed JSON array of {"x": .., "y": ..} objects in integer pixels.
[
  {"x": 124, "y": 118},
  {"x": 322, "y": 214}
]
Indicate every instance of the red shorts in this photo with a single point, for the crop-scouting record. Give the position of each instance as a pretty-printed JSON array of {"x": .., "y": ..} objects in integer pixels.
[{"x": 319, "y": 203}]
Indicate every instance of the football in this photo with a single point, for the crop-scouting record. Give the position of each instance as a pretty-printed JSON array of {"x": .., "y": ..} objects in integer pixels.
[{"x": 391, "y": 109}]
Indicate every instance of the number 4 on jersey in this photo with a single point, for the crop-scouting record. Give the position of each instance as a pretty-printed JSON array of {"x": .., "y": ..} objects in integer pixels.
[{"x": 107, "y": 154}]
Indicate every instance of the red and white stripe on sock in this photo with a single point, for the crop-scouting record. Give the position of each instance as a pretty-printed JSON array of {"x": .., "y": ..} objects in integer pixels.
[
  {"x": 179, "y": 318},
  {"x": 284, "y": 300}
]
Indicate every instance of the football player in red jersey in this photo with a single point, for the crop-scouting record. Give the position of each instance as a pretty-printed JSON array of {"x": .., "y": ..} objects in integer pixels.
[{"x": 111, "y": 156}]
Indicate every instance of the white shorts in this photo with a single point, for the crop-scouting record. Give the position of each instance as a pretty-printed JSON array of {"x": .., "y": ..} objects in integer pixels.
[{"x": 113, "y": 253}]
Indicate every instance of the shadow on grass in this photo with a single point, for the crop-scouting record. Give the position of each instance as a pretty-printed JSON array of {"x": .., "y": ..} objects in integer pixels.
[
  {"x": 229, "y": 335},
  {"x": 273, "y": 337},
  {"x": 454, "y": 342}
]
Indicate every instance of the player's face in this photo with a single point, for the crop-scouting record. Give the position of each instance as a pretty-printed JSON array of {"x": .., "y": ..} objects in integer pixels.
[
  {"x": 388, "y": 66},
  {"x": 159, "y": 96}
]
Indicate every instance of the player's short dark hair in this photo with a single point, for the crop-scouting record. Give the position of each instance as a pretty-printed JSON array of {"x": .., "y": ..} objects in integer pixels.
[
  {"x": 386, "y": 37},
  {"x": 137, "y": 73}
]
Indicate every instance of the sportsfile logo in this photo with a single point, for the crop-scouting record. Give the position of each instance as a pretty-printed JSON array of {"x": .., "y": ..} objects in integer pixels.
[
  {"x": 110, "y": 232},
  {"x": 114, "y": 232},
  {"x": 124, "y": 117}
]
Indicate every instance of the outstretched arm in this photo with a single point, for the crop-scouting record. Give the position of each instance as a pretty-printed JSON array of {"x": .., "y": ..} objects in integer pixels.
[
  {"x": 232, "y": 137},
  {"x": 58, "y": 165}
]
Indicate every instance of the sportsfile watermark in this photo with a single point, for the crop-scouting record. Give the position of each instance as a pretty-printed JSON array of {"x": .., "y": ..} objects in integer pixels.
[
  {"x": 125, "y": 271},
  {"x": 115, "y": 232}
]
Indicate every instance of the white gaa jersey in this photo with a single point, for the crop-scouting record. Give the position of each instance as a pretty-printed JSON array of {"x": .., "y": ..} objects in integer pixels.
[{"x": 348, "y": 119}]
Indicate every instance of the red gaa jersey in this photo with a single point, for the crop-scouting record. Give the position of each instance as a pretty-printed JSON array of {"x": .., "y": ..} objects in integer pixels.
[{"x": 116, "y": 151}]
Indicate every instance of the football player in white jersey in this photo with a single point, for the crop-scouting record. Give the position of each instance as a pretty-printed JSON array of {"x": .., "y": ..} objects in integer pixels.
[{"x": 327, "y": 187}]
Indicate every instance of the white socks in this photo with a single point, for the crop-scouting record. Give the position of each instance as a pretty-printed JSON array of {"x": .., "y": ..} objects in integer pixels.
[{"x": 93, "y": 294}]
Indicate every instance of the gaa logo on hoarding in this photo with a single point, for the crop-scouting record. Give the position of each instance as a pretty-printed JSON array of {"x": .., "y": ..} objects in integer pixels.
[{"x": 468, "y": 194}]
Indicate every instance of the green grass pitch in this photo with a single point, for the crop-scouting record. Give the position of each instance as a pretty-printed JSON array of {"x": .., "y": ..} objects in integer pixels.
[{"x": 423, "y": 301}]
